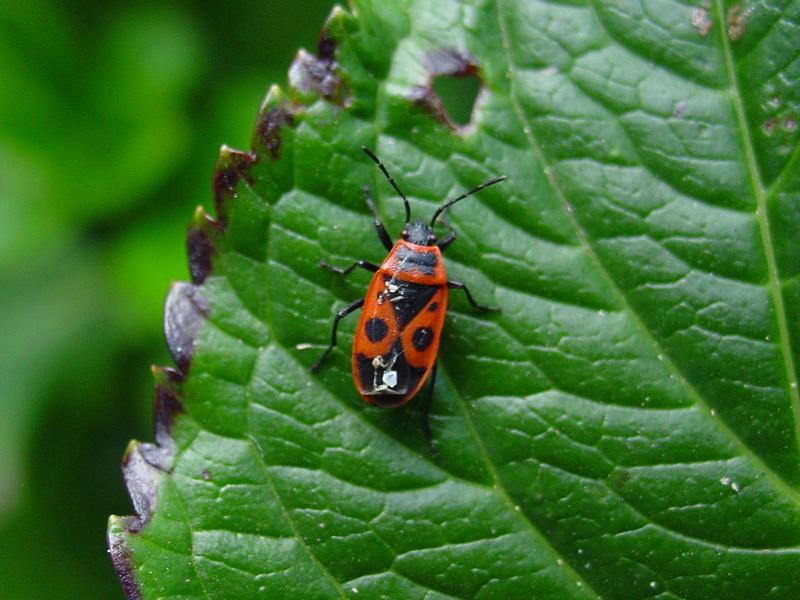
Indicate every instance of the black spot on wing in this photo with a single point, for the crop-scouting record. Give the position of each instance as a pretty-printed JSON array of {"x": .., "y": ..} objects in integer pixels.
[
  {"x": 422, "y": 338},
  {"x": 408, "y": 299},
  {"x": 376, "y": 329},
  {"x": 433, "y": 307}
]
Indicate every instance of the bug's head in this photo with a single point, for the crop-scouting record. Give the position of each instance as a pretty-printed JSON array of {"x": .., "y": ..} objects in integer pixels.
[{"x": 420, "y": 233}]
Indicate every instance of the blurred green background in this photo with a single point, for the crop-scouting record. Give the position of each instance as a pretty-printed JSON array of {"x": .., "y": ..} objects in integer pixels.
[{"x": 111, "y": 116}]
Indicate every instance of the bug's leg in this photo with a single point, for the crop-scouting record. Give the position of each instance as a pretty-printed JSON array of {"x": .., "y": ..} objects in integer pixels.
[
  {"x": 447, "y": 240},
  {"x": 383, "y": 235},
  {"x": 344, "y": 271},
  {"x": 425, "y": 411},
  {"x": 339, "y": 316},
  {"x": 457, "y": 285}
]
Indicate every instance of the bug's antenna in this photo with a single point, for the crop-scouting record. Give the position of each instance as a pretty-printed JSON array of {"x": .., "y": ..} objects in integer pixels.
[
  {"x": 450, "y": 203},
  {"x": 378, "y": 162}
]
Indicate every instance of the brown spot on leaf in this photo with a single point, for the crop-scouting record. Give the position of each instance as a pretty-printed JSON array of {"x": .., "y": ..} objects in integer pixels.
[
  {"x": 701, "y": 21},
  {"x": 737, "y": 20},
  {"x": 326, "y": 46},
  {"x": 770, "y": 125},
  {"x": 166, "y": 406},
  {"x": 199, "y": 251},
  {"x": 200, "y": 246},
  {"x": 268, "y": 129},
  {"x": 450, "y": 61},
  {"x": 232, "y": 166},
  {"x": 446, "y": 62},
  {"x": 184, "y": 313},
  {"x": 121, "y": 558},
  {"x": 310, "y": 73},
  {"x": 142, "y": 480}
]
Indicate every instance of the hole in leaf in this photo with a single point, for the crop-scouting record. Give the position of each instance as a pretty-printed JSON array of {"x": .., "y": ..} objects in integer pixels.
[{"x": 457, "y": 95}]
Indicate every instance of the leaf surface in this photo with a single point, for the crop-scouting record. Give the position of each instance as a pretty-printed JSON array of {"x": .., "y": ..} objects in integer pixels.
[{"x": 626, "y": 428}]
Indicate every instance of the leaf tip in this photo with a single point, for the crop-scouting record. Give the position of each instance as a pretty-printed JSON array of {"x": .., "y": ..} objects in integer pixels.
[
  {"x": 232, "y": 165},
  {"x": 275, "y": 97},
  {"x": 338, "y": 12},
  {"x": 340, "y": 21}
]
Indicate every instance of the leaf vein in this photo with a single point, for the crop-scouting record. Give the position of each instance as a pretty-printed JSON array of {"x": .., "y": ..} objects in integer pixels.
[
  {"x": 539, "y": 156},
  {"x": 762, "y": 216}
]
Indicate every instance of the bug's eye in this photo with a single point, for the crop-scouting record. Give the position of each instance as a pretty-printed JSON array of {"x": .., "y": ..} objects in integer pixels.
[
  {"x": 432, "y": 239},
  {"x": 404, "y": 234}
]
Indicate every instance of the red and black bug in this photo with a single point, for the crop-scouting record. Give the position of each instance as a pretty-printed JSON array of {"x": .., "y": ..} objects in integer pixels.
[{"x": 397, "y": 339}]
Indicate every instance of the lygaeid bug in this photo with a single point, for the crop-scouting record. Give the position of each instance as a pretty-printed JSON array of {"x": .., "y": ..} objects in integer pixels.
[{"x": 397, "y": 339}]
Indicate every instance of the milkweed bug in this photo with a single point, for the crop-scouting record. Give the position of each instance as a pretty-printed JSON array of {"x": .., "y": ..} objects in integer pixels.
[{"x": 397, "y": 339}]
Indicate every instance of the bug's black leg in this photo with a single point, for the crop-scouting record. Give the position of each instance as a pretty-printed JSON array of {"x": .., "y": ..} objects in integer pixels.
[
  {"x": 447, "y": 240},
  {"x": 457, "y": 285},
  {"x": 344, "y": 271},
  {"x": 339, "y": 316},
  {"x": 425, "y": 414},
  {"x": 383, "y": 235}
]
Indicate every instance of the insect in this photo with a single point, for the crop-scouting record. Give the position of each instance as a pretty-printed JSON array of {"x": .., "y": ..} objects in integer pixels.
[{"x": 397, "y": 339}]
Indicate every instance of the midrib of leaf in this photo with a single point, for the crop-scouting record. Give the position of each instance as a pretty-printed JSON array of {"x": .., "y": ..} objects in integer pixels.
[
  {"x": 256, "y": 449},
  {"x": 539, "y": 156},
  {"x": 762, "y": 216}
]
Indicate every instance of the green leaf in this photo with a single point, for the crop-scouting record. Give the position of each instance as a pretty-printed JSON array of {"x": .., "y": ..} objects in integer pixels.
[{"x": 626, "y": 428}]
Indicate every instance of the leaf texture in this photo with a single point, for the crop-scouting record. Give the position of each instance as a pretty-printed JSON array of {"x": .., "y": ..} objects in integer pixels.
[{"x": 626, "y": 428}]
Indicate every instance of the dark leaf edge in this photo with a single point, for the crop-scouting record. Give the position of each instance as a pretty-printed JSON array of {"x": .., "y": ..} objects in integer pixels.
[
  {"x": 310, "y": 77},
  {"x": 146, "y": 465}
]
